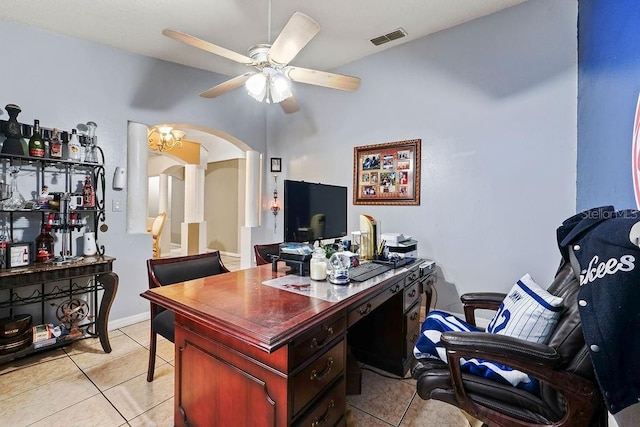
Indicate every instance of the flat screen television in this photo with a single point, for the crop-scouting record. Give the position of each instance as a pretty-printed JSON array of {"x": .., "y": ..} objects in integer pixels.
[{"x": 314, "y": 211}]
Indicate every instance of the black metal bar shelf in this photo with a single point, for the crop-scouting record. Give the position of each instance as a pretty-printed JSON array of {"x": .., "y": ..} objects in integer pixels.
[
  {"x": 16, "y": 300},
  {"x": 60, "y": 343}
]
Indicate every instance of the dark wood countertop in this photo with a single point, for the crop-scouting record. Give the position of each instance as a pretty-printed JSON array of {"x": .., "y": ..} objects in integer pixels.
[{"x": 46, "y": 272}]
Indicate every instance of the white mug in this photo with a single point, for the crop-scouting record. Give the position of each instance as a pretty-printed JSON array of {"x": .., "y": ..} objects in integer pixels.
[{"x": 75, "y": 201}]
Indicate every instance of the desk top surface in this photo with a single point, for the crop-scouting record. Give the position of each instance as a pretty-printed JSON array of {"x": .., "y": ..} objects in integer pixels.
[{"x": 240, "y": 305}]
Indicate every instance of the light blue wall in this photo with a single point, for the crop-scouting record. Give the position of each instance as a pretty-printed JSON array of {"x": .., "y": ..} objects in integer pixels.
[
  {"x": 494, "y": 102},
  {"x": 609, "y": 83},
  {"x": 64, "y": 81}
]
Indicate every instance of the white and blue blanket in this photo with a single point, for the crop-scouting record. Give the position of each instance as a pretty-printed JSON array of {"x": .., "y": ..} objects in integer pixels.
[{"x": 430, "y": 346}]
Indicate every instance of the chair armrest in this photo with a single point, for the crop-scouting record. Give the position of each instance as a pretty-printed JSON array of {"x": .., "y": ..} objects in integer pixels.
[
  {"x": 542, "y": 362},
  {"x": 484, "y": 345},
  {"x": 482, "y": 297},
  {"x": 480, "y": 300}
]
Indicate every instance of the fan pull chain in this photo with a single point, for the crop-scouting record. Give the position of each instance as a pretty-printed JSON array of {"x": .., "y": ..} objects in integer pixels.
[{"x": 269, "y": 23}]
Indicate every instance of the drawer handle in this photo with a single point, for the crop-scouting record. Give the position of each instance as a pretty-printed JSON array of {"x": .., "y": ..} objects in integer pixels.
[
  {"x": 322, "y": 375},
  {"x": 318, "y": 421},
  {"x": 413, "y": 277},
  {"x": 414, "y": 316},
  {"x": 314, "y": 341},
  {"x": 184, "y": 416},
  {"x": 395, "y": 289},
  {"x": 366, "y": 310},
  {"x": 412, "y": 293}
]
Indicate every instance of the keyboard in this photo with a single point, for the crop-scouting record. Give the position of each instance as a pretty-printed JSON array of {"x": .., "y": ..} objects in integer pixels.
[{"x": 366, "y": 271}]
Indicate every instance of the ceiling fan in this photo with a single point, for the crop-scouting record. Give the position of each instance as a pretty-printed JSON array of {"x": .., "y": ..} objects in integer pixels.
[{"x": 271, "y": 81}]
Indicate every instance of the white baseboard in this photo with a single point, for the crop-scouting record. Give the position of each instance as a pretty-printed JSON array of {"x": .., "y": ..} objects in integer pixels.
[{"x": 126, "y": 321}]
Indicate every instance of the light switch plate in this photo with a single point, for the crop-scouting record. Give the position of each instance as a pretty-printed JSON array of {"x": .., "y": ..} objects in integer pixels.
[{"x": 115, "y": 206}]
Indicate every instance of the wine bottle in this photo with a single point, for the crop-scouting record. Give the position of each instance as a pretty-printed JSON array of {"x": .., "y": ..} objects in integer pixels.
[
  {"x": 36, "y": 143},
  {"x": 74, "y": 146},
  {"x": 88, "y": 194},
  {"x": 55, "y": 146}
]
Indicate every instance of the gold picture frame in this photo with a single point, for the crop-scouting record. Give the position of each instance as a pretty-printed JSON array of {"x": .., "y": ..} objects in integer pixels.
[{"x": 387, "y": 174}]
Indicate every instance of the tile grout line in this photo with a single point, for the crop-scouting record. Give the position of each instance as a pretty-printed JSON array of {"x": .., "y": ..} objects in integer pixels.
[{"x": 98, "y": 388}]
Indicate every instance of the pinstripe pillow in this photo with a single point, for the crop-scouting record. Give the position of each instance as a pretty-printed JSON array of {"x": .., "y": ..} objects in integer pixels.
[{"x": 528, "y": 312}]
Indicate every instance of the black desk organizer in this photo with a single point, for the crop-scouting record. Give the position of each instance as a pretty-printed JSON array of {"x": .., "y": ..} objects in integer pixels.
[{"x": 301, "y": 267}]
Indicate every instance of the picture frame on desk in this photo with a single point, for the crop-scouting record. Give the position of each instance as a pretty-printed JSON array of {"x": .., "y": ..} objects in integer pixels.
[{"x": 387, "y": 174}]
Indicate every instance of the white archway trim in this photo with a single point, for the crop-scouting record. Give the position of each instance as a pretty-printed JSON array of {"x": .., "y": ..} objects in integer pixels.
[{"x": 137, "y": 183}]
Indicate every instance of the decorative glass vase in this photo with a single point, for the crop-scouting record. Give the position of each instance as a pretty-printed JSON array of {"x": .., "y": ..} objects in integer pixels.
[{"x": 16, "y": 201}]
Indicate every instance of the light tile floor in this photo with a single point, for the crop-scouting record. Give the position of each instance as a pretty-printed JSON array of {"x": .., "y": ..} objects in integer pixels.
[{"x": 80, "y": 385}]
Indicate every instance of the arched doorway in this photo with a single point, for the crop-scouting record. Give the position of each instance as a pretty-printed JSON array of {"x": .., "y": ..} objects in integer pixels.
[{"x": 221, "y": 167}]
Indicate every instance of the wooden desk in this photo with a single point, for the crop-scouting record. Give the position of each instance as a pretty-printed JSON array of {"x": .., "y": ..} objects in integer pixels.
[{"x": 248, "y": 354}]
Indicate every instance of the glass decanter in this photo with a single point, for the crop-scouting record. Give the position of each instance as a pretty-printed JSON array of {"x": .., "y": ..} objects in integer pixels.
[
  {"x": 16, "y": 201},
  {"x": 92, "y": 153}
]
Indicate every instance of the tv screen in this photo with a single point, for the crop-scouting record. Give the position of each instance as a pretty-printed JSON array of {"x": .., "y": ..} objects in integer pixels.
[{"x": 314, "y": 211}]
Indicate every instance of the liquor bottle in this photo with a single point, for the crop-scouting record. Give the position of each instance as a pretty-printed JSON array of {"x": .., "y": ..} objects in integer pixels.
[
  {"x": 46, "y": 137},
  {"x": 55, "y": 146},
  {"x": 44, "y": 245},
  {"x": 3, "y": 253},
  {"x": 74, "y": 146},
  {"x": 36, "y": 143},
  {"x": 88, "y": 194}
]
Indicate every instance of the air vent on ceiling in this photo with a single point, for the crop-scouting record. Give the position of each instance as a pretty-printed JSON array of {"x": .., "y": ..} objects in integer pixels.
[{"x": 393, "y": 35}]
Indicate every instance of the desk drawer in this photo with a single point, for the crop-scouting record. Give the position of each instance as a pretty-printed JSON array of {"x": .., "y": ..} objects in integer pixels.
[
  {"x": 316, "y": 340},
  {"x": 411, "y": 277},
  {"x": 411, "y": 339},
  {"x": 309, "y": 382},
  {"x": 412, "y": 318},
  {"x": 411, "y": 295},
  {"x": 412, "y": 322},
  {"x": 366, "y": 308},
  {"x": 328, "y": 410}
]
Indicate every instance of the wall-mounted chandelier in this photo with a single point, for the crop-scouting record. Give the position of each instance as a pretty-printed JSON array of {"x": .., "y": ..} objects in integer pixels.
[{"x": 164, "y": 138}]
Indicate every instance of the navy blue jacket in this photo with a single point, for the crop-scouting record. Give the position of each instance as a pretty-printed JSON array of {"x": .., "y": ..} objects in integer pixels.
[{"x": 605, "y": 245}]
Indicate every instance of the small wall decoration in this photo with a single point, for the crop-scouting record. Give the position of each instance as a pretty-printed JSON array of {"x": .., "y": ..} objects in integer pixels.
[
  {"x": 276, "y": 164},
  {"x": 387, "y": 174}
]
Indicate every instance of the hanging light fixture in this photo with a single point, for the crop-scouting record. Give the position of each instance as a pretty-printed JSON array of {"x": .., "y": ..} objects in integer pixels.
[
  {"x": 270, "y": 86},
  {"x": 164, "y": 138}
]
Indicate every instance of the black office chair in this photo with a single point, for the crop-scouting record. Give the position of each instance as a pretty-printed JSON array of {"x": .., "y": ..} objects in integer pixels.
[
  {"x": 264, "y": 253},
  {"x": 569, "y": 394},
  {"x": 167, "y": 271}
]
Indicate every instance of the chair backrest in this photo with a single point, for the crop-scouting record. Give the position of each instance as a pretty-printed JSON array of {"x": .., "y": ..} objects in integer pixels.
[
  {"x": 567, "y": 338},
  {"x": 166, "y": 271},
  {"x": 265, "y": 252},
  {"x": 158, "y": 224}
]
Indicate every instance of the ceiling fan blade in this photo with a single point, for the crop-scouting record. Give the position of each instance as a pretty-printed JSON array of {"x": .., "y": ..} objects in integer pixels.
[
  {"x": 294, "y": 36},
  {"x": 227, "y": 86},
  {"x": 323, "y": 78},
  {"x": 209, "y": 47},
  {"x": 290, "y": 105}
]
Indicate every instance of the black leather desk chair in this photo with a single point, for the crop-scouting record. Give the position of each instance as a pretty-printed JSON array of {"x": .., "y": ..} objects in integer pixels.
[
  {"x": 569, "y": 394},
  {"x": 167, "y": 271}
]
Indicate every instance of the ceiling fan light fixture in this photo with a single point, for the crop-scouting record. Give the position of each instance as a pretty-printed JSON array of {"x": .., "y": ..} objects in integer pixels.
[
  {"x": 257, "y": 86},
  {"x": 279, "y": 87},
  {"x": 270, "y": 86}
]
